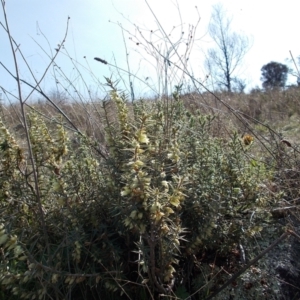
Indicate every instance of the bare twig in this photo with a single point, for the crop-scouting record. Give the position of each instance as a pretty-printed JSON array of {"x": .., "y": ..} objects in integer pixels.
[
  {"x": 295, "y": 64},
  {"x": 34, "y": 168}
]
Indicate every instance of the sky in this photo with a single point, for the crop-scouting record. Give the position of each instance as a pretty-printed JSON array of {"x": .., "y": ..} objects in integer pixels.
[{"x": 120, "y": 32}]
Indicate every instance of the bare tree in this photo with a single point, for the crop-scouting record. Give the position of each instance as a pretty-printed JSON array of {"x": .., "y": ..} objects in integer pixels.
[{"x": 230, "y": 48}]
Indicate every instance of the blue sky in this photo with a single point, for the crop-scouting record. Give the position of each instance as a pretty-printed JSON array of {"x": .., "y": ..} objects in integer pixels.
[{"x": 95, "y": 31}]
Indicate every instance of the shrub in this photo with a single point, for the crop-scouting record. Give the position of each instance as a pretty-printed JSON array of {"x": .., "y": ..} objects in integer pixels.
[{"x": 136, "y": 221}]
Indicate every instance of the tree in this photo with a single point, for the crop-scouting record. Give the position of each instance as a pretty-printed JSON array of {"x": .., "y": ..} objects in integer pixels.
[
  {"x": 274, "y": 75},
  {"x": 223, "y": 60}
]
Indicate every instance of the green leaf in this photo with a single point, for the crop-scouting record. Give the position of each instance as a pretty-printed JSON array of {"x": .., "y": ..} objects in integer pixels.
[{"x": 181, "y": 293}]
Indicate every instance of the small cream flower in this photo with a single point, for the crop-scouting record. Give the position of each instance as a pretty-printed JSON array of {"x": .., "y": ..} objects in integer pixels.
[
  {"x": 175, "y": 200},
  {"x": 142, "y": 137}
]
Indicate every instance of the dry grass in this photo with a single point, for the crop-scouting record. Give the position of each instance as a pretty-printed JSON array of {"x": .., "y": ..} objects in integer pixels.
[{"x": 278, "y": 109}]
